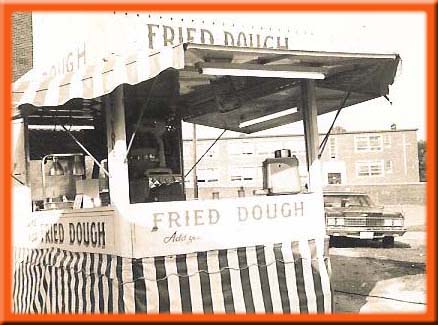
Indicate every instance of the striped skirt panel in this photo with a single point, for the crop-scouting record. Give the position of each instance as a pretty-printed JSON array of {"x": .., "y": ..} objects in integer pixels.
[{"x": 292, "y": 277}]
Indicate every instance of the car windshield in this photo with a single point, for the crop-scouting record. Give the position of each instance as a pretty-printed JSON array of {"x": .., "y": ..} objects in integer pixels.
[{"x": 340, "y": 201}]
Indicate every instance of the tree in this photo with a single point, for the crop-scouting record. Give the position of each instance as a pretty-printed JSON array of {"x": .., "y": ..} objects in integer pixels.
[
  {"x": 422, "y": 159},
  {"x": 338, "y": 129}
]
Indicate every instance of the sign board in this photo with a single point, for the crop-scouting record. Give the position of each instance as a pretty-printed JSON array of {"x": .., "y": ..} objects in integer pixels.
[
  {"x": 84, "y": 230},
  {"x": 66, "y": 41},
  {"x": 86, "y": 38},
  {"x": 177, "y": 227},
  {"x": 188, "y": 226}
]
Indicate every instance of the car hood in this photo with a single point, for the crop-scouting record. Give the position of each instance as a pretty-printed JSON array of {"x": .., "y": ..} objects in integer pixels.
[
  {"x": 372, "y": 211},
  {"x": 356, "y": 209}
]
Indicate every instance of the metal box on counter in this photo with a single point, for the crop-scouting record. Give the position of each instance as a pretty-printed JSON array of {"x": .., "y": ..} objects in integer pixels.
[{"x": 280, "y": 174}]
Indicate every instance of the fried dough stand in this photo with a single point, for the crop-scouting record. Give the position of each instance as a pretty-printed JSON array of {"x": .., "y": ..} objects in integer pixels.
[{"x": 101, "y": 221}]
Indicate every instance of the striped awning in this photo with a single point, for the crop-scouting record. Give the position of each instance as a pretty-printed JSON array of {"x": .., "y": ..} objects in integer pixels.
[
  {"x": 94, "y": 80},
  {"x": 225, "y": 87}
]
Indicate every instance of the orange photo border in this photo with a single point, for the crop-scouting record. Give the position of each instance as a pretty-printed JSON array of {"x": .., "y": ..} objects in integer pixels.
[{"x": 6, "y": 10}]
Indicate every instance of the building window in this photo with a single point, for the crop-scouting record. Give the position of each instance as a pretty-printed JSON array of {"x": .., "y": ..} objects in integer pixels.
[
  {"x": 243, "y": 175},
  {"x": 202, "y": 148},
  {"x": 207, "y": 175},
  {"x": 361, "y": 143},
  {"x": 387, "y": 140},
  {"x": 375, "y": 143},
  {"x": 332, "y": 148},
  {"x": 248, "y": 148},
  {"x": 388, "y": 166},
  {"x": 334, "y": 178},
  {"x": 364, "y": 143},
  {"x": 241, "y": 148},
  {"x": 266, "y": 149},
  {"x": 369, "y": 168},
  {"x": 234, "y": 148}
]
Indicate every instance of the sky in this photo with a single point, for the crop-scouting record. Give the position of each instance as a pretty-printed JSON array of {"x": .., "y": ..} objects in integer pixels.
[{"x": 401, "y": 33}]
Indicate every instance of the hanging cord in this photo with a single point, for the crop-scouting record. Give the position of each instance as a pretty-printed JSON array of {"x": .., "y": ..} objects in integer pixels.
[
  {"x": 324, "y": 141},
  {"x": 140, "y": 117},
  {"x": 14, "y": 177},
  {"x": 88, "y": 274},
  {"x": 206, "y": 151},
  {"x": 380, "y": 297},
  {"x": 86, "y": 151},
  {"x": 387, "y": 98}
]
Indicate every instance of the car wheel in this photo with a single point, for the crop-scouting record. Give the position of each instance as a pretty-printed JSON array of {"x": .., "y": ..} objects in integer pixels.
[
  {"x": 332, "y": 241},
  {"x": 388, "y": 242},
  {"x": 343, "y": 241}
]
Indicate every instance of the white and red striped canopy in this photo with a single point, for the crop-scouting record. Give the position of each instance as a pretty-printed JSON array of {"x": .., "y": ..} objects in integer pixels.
[{"x": 95, "y": 80}]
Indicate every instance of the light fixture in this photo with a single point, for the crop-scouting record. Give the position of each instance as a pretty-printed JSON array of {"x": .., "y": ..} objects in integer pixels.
[
  {"x": 259, "y": 70},
  {"x": 263, "y": 73},
  {"x": 71, "y": 128},
  {"x": 269, "y": 117},
  {"x": 56, "y": 169}
]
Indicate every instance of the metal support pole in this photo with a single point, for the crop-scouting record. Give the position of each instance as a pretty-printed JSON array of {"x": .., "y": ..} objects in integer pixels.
[
  {"x": 195, "y": 174},
  {"x": 117, "y": 148},
  {"x": 311, "y": 135},
  {"x": 26, "y": 150}
]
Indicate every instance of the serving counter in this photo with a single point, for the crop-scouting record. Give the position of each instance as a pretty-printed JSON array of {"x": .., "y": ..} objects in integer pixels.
[{"x": 255, "y": 254}]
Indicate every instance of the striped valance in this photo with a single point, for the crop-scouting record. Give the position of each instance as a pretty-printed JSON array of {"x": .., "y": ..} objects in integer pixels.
[
  {"x": 282, "y": 278},
  {"x": 95, "y": 80}
]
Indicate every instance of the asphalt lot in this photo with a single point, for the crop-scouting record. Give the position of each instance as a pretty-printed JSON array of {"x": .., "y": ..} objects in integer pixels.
[{"x": 370, "y": 279}]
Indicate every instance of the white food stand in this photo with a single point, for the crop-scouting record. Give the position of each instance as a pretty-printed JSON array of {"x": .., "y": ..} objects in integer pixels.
[{"x": 155, "y": 254}]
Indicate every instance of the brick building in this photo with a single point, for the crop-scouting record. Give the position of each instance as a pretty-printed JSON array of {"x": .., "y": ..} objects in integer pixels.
[
  {"x": 22, "y": 44},
  {"x": 350, "y": 159},
  {"x": 373, "y": 157}
]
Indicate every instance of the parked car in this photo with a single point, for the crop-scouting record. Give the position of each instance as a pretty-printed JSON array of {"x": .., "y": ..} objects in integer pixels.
[{"x": 351, "y": 214}]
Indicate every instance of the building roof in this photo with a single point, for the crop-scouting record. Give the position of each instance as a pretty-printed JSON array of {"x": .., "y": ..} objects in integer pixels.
[
  {"x": 336, "y": 193},
  {"x": 245, "y": 136}
]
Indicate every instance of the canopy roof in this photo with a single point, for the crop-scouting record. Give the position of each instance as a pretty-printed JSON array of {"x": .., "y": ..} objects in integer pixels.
[{"x": 240, "y": 89}]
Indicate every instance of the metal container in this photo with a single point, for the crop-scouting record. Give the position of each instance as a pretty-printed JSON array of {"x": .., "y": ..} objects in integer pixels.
[
  {"x": 280, "y": 174},
  {"x": 282, "y": 153}
]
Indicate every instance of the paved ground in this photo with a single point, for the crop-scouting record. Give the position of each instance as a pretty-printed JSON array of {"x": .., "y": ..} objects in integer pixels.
[{"x": 370, "y": 279}]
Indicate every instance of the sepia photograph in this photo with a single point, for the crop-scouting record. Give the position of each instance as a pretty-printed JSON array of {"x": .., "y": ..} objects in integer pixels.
[{"x": 218, "y": 162}]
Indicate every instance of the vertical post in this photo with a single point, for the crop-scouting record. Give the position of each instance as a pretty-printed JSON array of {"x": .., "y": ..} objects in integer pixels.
[
  {"x": 20, "y": 150},
  {"x": 22, "y": 201},
  {"x": 26, "y": 150},
  {"x": 311, "y": 135},
  {"x": 181, "y": 157},
  {"x": 195, "y": 174},
  {"x": 405, "y": 158},
  {"x": 116, "y": 140}
]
